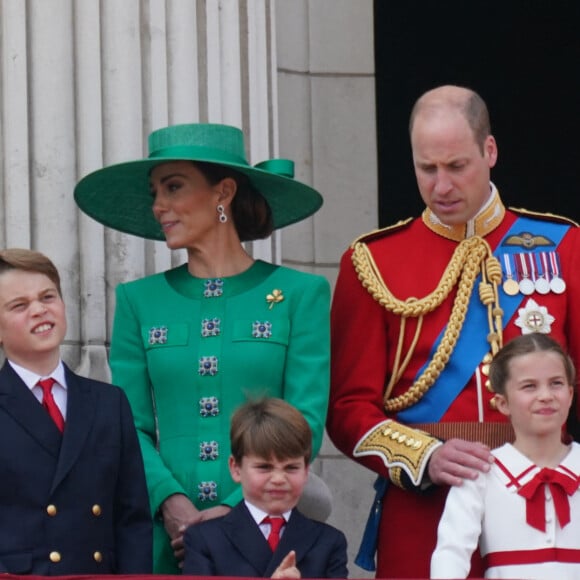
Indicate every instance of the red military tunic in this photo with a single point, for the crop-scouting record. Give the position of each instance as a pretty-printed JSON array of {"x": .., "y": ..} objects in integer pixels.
[{"x": 411, "y": 259}]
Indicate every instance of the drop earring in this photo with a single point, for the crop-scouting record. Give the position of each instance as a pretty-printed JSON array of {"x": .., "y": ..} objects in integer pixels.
[{"x": 222, "y": 214}]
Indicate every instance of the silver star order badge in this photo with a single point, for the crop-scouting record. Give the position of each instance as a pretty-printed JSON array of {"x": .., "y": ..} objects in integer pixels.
[{"x": 534, "y": 318}]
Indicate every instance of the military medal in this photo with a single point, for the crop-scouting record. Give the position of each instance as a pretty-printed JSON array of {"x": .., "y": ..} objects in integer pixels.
[
  {"x": 510, "y": 286},
  {"x": 526, "y": 284},
  {"x": 542, "y": 285},
  {"x": 557, "y": 284}
]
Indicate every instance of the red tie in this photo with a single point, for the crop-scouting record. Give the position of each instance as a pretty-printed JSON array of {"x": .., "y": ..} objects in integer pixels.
[
  {"x": 561, "y": 486},
  {"x": 49, "y": 404},
  {"x": 276, "y": 524}
]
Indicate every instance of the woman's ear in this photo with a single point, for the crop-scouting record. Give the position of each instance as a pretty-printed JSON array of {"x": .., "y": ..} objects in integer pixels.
[{"x": 227, "y": 188}]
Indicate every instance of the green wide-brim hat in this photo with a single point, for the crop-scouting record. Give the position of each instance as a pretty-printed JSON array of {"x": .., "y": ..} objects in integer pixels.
[{"x": 119, "y": 196}]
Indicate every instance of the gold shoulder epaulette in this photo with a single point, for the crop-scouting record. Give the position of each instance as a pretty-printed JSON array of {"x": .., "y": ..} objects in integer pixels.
[
  {"x": 551, "y": 217},
  {"x": 379, "y": 233}
]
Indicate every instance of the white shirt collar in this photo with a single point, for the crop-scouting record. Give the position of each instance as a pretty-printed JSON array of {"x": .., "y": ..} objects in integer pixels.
[
  {"x": 30, "y": 378},
  {"x": 259, "y": 514}
]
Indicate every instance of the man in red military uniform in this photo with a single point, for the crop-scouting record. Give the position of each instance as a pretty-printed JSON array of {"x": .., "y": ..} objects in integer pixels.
[{"x": 420, "y": 309}]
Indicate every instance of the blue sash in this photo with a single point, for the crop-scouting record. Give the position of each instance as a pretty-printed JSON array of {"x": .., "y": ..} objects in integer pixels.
[{"x": 472, "y": 344}]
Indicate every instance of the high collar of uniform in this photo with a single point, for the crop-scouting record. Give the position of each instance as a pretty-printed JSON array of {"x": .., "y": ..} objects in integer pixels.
[{"x": 488, "y": 218}]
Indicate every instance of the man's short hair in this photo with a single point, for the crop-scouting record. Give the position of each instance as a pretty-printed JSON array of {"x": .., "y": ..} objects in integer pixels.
[{"x": 469, "y": 103}]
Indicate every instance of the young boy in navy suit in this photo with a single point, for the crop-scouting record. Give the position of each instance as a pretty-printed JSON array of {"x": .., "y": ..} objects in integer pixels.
[
  {"x": 271, "y": 448},
  {"x": 73, "y": 498}
]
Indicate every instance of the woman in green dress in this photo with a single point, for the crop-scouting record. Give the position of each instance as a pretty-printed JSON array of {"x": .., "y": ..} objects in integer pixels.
[{"x": 191, "y": 344}]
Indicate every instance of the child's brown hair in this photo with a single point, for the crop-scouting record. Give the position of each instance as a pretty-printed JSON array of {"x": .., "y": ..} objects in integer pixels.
[
  {"x": 29, "y": 261},
  {"x": 270, "y": 427},
  {"x": 499, "y": 371}
]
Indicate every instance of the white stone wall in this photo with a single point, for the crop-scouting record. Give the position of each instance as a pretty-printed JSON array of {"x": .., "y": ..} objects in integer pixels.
[{"x": 326, "y": 110}]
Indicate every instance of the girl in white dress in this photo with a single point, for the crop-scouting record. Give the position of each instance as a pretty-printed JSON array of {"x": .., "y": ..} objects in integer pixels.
[{"x": 525, "y": 512}]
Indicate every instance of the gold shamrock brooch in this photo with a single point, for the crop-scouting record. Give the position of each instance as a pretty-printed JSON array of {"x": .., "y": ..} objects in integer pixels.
[{"x": 274, "y": 298}]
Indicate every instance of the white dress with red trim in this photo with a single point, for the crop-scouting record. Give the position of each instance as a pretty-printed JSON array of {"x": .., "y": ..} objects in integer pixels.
[{"x": 493, "y": 510}]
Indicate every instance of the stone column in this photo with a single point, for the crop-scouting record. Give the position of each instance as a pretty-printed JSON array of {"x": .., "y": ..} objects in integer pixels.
[{"x": 83, "y": 84}]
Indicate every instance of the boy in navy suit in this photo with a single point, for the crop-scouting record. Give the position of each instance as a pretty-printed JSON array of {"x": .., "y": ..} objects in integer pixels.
[
  {"x": 271, "y": 448},
  {"x": 73, "y": 498}
]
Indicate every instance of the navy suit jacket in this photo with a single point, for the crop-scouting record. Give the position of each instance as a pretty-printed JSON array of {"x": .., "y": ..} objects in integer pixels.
[
  {"x": 71, "y": 503},
  {"x": 233, "y": 545}
]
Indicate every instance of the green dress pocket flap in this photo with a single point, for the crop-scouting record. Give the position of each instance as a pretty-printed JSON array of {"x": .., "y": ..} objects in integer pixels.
[{"x": 276, "y": 331}]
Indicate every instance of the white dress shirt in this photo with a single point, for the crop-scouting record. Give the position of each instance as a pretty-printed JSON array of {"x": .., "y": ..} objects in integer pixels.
[{"x": 59, "y": 389}]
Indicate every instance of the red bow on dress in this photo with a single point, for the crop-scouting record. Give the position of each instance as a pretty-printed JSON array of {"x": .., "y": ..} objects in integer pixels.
[{"x": 561, "y": 486}]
